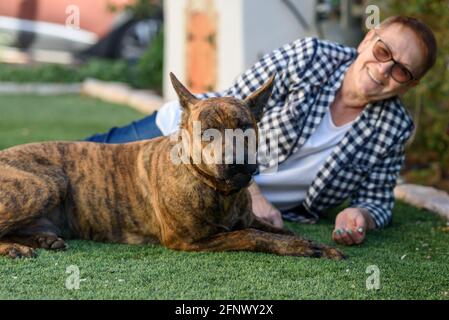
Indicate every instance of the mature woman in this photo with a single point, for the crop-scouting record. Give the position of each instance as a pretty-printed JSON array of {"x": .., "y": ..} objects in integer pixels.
[{"x": 339, "y": 123}]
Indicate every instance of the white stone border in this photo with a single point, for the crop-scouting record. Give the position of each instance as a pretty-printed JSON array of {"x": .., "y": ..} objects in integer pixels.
[
  {"x": 39, "y": 88},
  {"x": 145, "y": 101},
  {"x": 116, "y": 92},
  {"x": 424, "y": 197}
]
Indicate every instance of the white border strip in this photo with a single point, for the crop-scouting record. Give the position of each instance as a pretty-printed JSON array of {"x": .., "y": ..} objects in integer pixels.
[
  {"x": 39, "y": 88},
  {"x": 48, "y": 29}
]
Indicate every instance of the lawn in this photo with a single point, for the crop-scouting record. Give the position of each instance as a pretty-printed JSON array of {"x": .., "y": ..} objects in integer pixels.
[{"x": 412, "y": 255}]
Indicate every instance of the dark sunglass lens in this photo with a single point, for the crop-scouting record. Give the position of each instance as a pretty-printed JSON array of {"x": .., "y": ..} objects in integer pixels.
[{"x": 400, "y": 73}]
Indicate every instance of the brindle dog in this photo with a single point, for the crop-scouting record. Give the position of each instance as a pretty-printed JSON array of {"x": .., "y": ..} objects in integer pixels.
[{"x": 133, "y": 193}]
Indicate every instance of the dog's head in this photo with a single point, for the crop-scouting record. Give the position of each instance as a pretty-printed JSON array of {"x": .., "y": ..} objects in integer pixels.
[{"x": 222, "y": 134}]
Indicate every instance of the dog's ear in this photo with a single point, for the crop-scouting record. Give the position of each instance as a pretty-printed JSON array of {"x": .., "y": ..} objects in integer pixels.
[
  {"x": 258, "y": 99},
  {"x": 186, "y": 99}
]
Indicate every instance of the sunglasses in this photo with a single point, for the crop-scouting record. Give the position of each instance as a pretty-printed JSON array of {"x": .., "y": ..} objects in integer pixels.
[{"x": 383, "y": 54}]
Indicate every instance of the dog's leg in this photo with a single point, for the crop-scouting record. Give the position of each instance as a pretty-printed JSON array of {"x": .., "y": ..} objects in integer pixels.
[
  {"x": 259, "y": 224},
  {"x": 260, "y": 241},
  {"x": 15, "y": 250},
  {"x": 41, "y": 233},
  {"x": 25, "y": 197}
]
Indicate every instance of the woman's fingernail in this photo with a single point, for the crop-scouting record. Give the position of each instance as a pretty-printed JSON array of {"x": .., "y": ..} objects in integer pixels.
[
  {"x": 349, "y": 231},
  {"x": 338, "y": 231},
  {"x": 360, "y": 230}
]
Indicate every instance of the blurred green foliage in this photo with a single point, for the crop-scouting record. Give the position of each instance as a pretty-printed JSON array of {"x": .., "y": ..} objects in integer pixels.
[
  {"x": 95, "y": 68},
  {"x": 150, "y": 66},
  {"x": 140, "y": 9},
  {"x": 429, "y": 101}
]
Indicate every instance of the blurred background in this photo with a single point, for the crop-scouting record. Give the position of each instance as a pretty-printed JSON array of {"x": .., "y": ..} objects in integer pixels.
[{"x": 207, "y": 44}]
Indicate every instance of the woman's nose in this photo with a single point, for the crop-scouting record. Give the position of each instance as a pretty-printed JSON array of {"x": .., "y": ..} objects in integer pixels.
[{"x": 384, "y": 68}]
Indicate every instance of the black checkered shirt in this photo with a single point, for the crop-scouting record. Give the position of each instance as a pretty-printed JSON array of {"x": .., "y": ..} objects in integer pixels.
[{"x": 365, "y": 165}]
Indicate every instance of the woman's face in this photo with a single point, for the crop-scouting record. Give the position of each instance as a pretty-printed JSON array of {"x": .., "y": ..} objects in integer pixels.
[{"x": 372, "y": 78}]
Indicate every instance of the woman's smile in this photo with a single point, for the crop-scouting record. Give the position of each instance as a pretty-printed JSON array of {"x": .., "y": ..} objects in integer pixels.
[{"x": 372, "y": 77}]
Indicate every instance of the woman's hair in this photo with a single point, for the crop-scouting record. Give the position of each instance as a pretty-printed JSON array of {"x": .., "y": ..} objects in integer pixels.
[{"x": 423, "y": 33}]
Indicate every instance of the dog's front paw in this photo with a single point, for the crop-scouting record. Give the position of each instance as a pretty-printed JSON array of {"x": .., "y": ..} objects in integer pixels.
[
  {"x": 333, "y": 253},
  {"x": 307, "y": 248}
]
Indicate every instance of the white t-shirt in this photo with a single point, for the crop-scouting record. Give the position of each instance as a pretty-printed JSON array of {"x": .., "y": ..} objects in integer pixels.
[
  {"x": 168, "y": 117},
  {"x": 286, "y": 187}
]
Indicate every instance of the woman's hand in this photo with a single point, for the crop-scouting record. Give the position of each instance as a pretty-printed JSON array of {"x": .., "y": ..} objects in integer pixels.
[
  {"x": 351, "y": 225},
  {"x": 263, "y": 209}
]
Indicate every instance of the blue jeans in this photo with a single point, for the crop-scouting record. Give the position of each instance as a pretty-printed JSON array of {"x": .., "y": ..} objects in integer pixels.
[{"x": 145, "y": 128}]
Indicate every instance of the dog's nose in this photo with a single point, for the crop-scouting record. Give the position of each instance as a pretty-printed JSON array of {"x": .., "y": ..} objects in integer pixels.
[
  {"x": 252, "y": 168},
  {"x": 236, "y": 168}
]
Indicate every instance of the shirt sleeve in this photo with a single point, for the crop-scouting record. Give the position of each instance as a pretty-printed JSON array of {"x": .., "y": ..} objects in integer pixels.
[
  {"x": 376, "y": 194},
  {"x": 287, "y": 63}
]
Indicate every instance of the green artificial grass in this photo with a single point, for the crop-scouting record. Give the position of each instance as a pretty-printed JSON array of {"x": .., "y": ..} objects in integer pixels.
[
  {"x": 412, "y": 254},
  {"x": 31, "y": 118}
]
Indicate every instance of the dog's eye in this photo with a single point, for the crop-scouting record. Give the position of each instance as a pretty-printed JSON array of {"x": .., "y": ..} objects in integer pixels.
[{"x": 208, "y": 136}]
